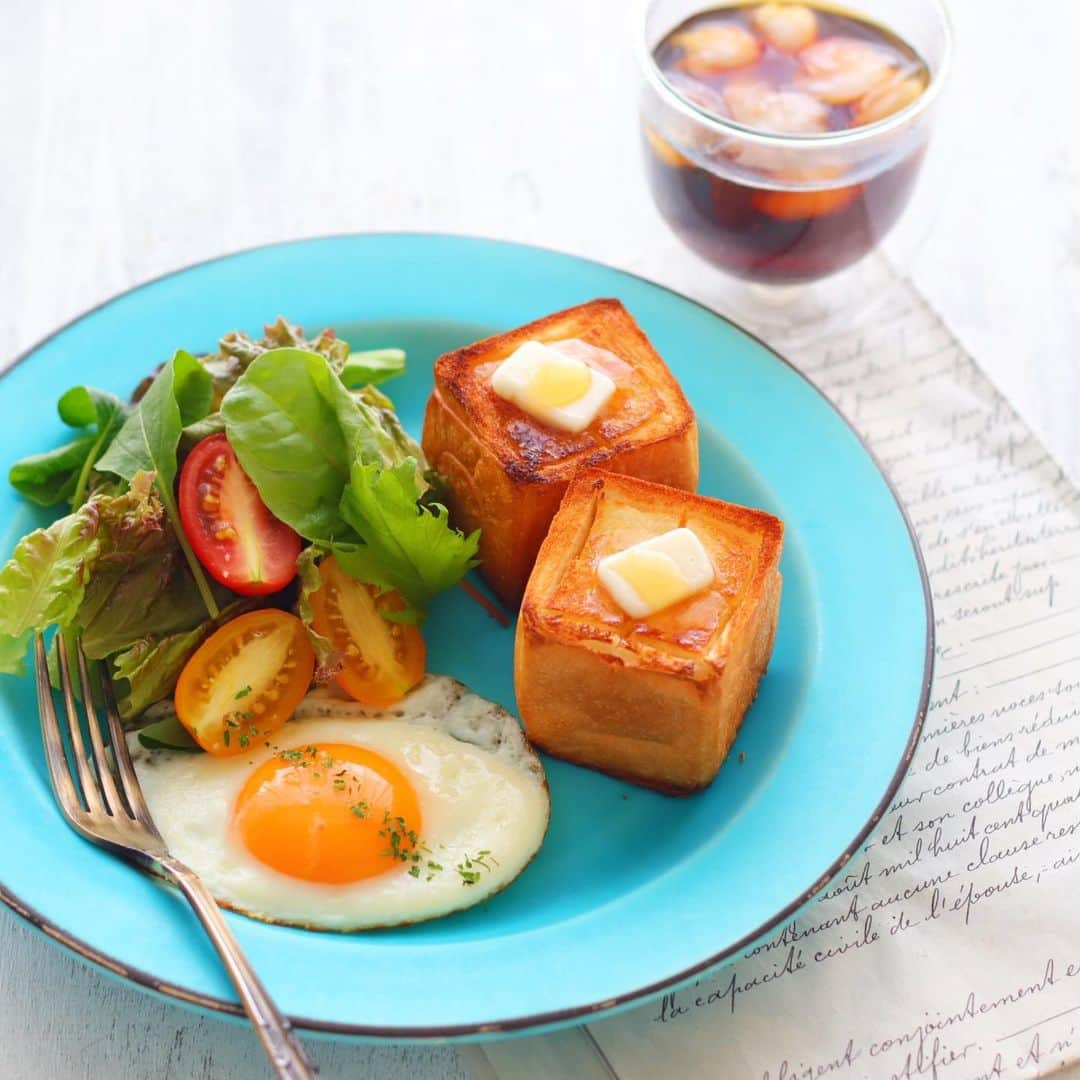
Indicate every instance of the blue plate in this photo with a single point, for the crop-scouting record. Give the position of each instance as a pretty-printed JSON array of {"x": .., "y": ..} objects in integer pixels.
[{"x": 633, "y": 893}]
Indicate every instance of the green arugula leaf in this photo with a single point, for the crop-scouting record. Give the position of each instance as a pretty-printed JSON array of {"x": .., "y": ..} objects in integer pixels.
[
  {"x": 51, "y": 477},
  {"x": 407, "y": 547},
  {"x": 44, "y": 581},
  {"x": 180, "y": 395},
  {"x": 64, "y": 473},
  {"x": 369, "y": 368}
]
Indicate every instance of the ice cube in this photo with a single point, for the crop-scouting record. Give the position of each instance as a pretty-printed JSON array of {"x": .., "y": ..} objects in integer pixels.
[
  {"x": 839, "y": 70},
  {"x": 715, "y": 48},
  {"x": 787, "y": 27}
]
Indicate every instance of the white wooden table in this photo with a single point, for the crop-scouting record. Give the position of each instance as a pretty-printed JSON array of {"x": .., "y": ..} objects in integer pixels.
[{"x": 138, "y": 138}]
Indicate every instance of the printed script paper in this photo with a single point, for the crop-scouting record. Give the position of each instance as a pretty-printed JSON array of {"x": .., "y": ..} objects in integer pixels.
[{"x": 951, "y": 946}]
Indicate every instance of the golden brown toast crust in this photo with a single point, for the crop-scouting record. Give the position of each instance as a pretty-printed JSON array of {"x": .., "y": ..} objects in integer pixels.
[
  {"x": 533, "y": 453},
  {"x": 507, "y": 473},
  {"x": 645, "y": 700}
]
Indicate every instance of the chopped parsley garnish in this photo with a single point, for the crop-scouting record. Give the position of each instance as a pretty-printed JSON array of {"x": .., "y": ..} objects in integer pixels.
[
  {"x": 467, "y": 868},
  {"x": 360, "y": 809},
  {"x": 397, "y": 832},
  {"x": 242, "y": 693}
]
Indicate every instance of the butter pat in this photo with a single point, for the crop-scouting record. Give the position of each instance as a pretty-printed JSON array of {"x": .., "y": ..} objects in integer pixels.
[
  {"x": 553, "y": 386},
  {"x": 656, "y": 573}
]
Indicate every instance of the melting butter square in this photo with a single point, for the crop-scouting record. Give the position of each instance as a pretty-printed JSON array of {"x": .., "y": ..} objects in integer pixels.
[{"x": 654, "y": 574}]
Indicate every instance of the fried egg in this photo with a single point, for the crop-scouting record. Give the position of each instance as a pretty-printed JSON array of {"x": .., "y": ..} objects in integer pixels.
[{"x": 351, "y": 818}]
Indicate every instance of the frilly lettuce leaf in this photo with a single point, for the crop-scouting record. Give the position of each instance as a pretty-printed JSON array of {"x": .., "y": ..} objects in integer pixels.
[
  {"x": 146, "y": 671},
  {"x": 328, "y": 660},
  {"x": 141, "y": 583},
  {"x": 180, "y": 395},
  {"x": 406, "y": 546},
  {"x": 44, "y": 581},
  {"x": 237, "y": 351},
  {"x": 112, "y": 570}
]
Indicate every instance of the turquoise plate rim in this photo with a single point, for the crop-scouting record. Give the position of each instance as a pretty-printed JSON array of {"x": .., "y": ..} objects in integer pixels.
[{"x": 555, "y": 1018}]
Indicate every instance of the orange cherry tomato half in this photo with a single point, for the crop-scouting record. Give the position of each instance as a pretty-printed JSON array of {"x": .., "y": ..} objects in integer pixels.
[
  {"x": 383, "y": 660},
  {"x": 245, "y": 681},
  {"x": 234, "y": 535}
]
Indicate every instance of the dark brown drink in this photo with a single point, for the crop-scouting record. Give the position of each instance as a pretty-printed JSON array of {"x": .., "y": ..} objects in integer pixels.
[{"x": 790, "y": 208}]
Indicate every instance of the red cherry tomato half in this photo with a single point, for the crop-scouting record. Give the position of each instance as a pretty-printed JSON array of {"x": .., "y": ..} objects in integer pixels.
[{"x": 234, "y": 535}]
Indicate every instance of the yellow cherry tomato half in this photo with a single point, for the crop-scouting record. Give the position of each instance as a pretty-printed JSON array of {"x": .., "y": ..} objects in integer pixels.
[{"x": 382, "y": 660}]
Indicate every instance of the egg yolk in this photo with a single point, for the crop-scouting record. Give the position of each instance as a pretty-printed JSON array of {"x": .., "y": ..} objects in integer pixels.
[{"x": 329, "y": 813}]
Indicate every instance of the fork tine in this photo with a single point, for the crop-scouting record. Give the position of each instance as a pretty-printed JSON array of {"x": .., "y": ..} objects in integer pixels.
[
  {"x": 91, "y": 794},
  {"x": 55, "y": 757},
  {"x": 128, "y": 780},
  {"x": 101, "y": 758}
]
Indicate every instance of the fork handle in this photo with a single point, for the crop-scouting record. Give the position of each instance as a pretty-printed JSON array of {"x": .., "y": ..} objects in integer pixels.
[{"x": 275, "y": 1033}]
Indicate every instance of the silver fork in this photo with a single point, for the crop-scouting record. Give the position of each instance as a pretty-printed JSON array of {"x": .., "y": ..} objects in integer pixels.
[{"x": 102, "y": 801}]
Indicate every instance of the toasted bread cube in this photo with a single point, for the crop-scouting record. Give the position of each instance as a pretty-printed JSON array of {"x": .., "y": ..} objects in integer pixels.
[
  {"x": 657, "y": 701},
  {"x": 507, "y": 472}
]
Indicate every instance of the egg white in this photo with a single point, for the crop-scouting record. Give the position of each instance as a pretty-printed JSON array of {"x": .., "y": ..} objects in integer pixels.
[{"x": 479, "y": 784}]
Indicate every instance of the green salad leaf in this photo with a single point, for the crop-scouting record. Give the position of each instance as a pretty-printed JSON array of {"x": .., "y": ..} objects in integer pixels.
[
  {"x": 112, "y": 569},
  {"x": 327, "y": 658},
  {"x": 44, "y": 581},
  {"x": 371, "y": 367},
  {"x": 141, "y": 583},
  {"x": 237, "y": 351},
  {"x": 181, "y": 394},
  {"x": 398, "y": 444},
  {"x": 341, "y": 470},
  {"x": 325, "y": 449},
  {"x": 13, "y": 655},
  {"x": 146, "y": 670},
  {"x": 51, "y": 477},
  {"x": 168, "y": 734},
  {"x": 406, "y": 546},
  {"x": 64, "y": 473},
  {"x": 294, "y": 428},
  {"x": 297, "y": 431}
]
